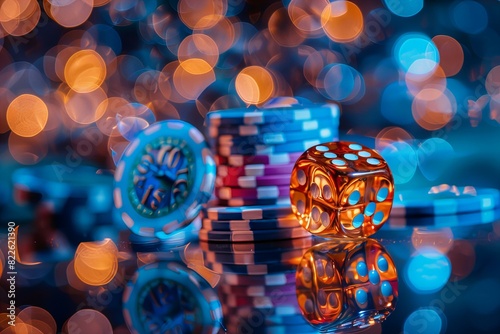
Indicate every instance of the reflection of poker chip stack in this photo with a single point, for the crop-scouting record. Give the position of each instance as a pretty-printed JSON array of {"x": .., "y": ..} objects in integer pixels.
[
  {"x": 444, "y": 206},
  {"x": 255, "y": 151},
  {"x": 257, "y": 287}
]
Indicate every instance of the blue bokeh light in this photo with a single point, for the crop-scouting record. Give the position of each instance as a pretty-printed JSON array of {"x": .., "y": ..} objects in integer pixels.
[
  {"x": 402, "y": 160},
  {"x": 404, "y": 8},
  {"x": 470, "y": 17},
  {"x": 428, "y": 271},
  {"x": 342, "y": 83}
]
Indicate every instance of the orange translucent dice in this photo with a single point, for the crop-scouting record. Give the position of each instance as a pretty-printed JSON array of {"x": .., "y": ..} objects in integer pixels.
[
  {"x": 341, "y": 189},
  {"x": 343, "y": 284}
]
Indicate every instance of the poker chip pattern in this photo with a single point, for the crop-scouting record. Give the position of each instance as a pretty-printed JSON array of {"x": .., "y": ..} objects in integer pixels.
[
  {"x": 419, "y": 202},
  {"x": 251, "y": 236}
]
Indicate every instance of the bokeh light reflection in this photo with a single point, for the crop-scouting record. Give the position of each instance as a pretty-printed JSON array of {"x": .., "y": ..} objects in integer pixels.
[
  {"x": 254, "y": 85},
  {"x": 428, "y": 270}
]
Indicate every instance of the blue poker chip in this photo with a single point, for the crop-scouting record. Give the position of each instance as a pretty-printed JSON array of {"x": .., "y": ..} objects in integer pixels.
[
  {"x": 248, "y": 212},
  {"x": 166, "y": 297},
  {"x": 458, "y": 220},
  {"x": 260, "y": 202},
  {"x": 276, "y": 138},
  {"x": 253, "y": 181},
  {"x": 264, "y": 317},
  {"x": 178, "y": 238},
  {"x": 251, "y": 236},
  {"x": 265, "y": 159},
  {"x": 286, "y": 257},
  {"x": 452, "y": 201},
  {"x": 269, "y": 329},
  {"x": 254, "y": 170},
  {"x": 272, "y": 115},
  {"x": 164, "y": 177},
  {"x": 257, "y": 247},
  {"x": 277, "y": 127},
  {"x": 258, "y": 290},
  {"x": 250, "y": 269},
  {"x": 247, "y": 149},
  {"x": 57, "y": 183},
  {"x": 264, "y": 192},
  {"x": 250, "y": 225},
  {"x": 246, "y": 311},
  {"x": 278, "y": 279}
]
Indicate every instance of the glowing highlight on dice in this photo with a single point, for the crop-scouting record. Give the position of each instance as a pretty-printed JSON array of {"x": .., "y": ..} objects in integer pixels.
[{"x": 348, "y": 196}]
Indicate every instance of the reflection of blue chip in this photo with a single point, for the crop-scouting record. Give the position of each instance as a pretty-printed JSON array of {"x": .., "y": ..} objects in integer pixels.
[
  {"x": 464, "y": 219},
  {"x": 163, "y": 178},
  {"x": 169, "y": 298}
]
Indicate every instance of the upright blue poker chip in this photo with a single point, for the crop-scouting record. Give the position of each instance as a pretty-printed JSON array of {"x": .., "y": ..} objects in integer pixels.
[
  {"x": 453, "y": 201},
  {"x": 167, "y": 297},
  {"x": 262, "y": 129},
  {"x": 272, "y": 115},
  {"x": 439, "y": 221},
  {"x": 164, "y": 177},
  {"x": 249, "y": 212}
]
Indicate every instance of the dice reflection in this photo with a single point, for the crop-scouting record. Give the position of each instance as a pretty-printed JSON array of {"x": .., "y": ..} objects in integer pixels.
[
  {"x": 341, "y": 189},
  {"x": 346, "y": 284}
]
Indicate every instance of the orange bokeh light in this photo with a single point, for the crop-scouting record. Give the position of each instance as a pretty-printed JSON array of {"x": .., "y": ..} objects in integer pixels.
[
  {"x": 342, "y": 21},
  {"x": 85, "y": 71},
  {"x": 493, "y": 83},
  {"x": 254, "y": 85},
  {"x": 435, "y": 79},
  {"x": 201, "y": 14},
  {"x": 391, "y": 134},
  {"x": 198, "y": 46},
  {"x": 433, "y": 109},
  {"x": 192, "y": 77},
  {"x": 222, "y": 33},
  {"x": 19, "y": 17},
  {"x": 70, "y": 13},
  {"x": 283, "y": 31},
  {"x": 96, "y": 263},
  {"x": 38, "y": 318},
  {"x": 451, "y": 54},
  {"x": 27, "y": 115}
]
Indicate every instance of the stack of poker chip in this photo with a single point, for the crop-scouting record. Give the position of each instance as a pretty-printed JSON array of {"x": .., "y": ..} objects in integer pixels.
[
  {"x": 257, "y": 287},
  {"x": 444, "y": 206},
  {"x": 255, "y": 151}
]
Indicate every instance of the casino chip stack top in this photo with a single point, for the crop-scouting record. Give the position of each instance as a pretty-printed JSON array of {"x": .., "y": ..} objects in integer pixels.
[{"x": 255, "y": 151}]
